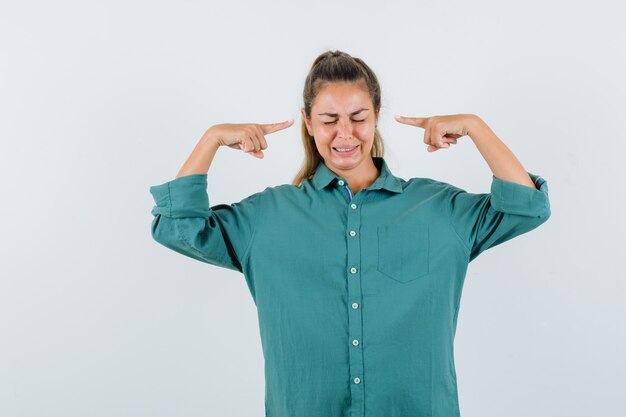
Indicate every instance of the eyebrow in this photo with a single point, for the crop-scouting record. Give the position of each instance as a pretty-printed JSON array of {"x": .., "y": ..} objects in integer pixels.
[{"x": 335, "y": 114}]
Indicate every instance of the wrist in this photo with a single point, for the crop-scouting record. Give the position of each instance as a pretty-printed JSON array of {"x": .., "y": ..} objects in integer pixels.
[
  {"x": 210, "y": 139},
  {"x": 474, "y": 124}
]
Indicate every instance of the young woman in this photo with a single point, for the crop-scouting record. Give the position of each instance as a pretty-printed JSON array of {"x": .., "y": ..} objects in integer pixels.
[{"x": 356, "y": 273}]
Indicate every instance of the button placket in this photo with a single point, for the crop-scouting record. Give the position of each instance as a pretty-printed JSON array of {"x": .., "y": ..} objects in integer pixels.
[{"x": 355, "y": 318}]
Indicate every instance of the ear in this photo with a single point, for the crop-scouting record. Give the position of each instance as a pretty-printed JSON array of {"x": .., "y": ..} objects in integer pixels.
[{"x": 306, "y": 121}]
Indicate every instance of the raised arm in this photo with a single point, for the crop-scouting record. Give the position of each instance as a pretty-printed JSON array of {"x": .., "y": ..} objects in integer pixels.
[
  {"x": 503, "y": 163},
  {"x": 518, "y": 201},
  {"x": 248, "y": 137},
  {"x": 184, "y": 220},
  {"x": 202, "y": 155}
]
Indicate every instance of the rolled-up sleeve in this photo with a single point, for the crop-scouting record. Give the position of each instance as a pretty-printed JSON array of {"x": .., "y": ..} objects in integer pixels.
[
  {"x": 486, "y": 220},
  {"x": 185, "y": 222}
]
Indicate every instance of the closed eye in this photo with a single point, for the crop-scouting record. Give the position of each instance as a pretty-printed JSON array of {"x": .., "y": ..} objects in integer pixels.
[{"x": 332, "y": 123}]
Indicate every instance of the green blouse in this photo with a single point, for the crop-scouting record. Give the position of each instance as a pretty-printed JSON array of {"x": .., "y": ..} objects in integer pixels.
[{"x": 357, "y": 295}]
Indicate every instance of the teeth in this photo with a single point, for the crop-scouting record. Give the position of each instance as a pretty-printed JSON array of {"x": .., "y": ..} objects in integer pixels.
[{"x": 345, "y": 149}]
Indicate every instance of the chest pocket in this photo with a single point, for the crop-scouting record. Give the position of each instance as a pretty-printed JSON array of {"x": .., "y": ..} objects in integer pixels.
[{"x": 403, "y": 251}]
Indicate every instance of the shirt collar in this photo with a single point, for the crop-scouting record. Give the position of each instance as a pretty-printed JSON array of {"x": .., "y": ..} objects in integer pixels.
[{"x": 324, "y": 176}]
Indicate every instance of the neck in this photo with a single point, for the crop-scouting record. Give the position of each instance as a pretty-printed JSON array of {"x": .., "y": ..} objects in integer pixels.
[{"x": 365, "y": 177}]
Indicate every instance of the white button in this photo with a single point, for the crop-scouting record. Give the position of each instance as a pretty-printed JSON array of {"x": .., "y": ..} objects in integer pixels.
[
  {"x": 357, "y": 380},
  {"x": 353, "y": 205},
  {"x": 352, "y": 233},
  {"x": 355, "y": 306},
  {"x": 355, "y": 342},
  {"x": 353, "y": 270},
  {"x": 340, "y": 182}
]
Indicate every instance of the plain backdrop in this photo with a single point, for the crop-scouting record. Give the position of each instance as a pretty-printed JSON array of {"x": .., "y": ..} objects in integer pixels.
[{"x": 101, "y": 100}]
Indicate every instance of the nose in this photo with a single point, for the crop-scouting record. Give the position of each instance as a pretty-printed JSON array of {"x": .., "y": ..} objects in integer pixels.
[{"x": 344, "y": 128}]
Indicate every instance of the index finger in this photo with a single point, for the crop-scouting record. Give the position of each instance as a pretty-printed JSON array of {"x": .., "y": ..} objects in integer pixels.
[
  {"x": 414, "y": 121},
  {"x": 274, "y": 127}
]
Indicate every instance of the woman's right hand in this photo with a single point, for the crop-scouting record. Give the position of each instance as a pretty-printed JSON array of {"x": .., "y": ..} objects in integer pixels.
[{"x": 248, "y": 137}]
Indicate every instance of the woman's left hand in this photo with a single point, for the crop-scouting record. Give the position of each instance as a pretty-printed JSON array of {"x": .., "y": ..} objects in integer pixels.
[{"x": 441, "y": 131}]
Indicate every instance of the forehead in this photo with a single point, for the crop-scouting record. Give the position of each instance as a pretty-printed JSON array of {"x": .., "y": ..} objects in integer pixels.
[{"x": 342, "y": 97}]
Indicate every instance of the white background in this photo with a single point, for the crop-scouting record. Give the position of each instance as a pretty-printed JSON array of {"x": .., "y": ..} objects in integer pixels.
[{"x": 101, "y": 100}]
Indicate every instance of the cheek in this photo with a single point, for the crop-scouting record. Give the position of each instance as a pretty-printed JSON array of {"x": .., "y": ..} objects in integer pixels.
[
  {"x": 322, "y": 141},
  {"x": 325, "y": 136},
  {"x": 365, "y": 131}
]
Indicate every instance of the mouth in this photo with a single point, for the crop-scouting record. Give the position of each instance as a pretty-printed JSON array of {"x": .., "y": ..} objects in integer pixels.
[{"x": 346, "y": 151}]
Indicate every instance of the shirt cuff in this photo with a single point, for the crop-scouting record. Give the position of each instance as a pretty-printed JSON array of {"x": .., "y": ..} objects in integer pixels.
[
  {"x": 513, "y": 198},
  {"x": 182, "y": 197}
]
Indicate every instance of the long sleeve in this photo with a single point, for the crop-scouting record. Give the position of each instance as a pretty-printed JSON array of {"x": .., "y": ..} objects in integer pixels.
[
  {"x": 185, "y": 222},
  {"x": 485, "y": 220}
]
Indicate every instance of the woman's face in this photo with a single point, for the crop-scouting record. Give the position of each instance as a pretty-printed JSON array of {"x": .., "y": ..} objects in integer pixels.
[{"x": 342, "y": 116}]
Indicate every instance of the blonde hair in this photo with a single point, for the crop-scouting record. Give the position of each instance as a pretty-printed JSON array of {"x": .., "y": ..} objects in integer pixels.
[{"x": 329, "y": 67}]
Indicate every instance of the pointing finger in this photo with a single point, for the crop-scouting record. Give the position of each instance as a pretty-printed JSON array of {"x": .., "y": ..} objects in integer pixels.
[
  {"x": 273, "y": 127},
  {"x": 414, "y": 121}
]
